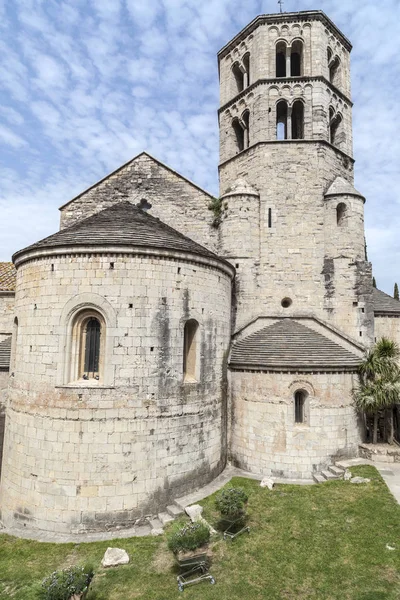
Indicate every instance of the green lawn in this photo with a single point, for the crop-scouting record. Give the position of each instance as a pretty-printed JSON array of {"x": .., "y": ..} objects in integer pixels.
[{"x": 322, "y": 542}]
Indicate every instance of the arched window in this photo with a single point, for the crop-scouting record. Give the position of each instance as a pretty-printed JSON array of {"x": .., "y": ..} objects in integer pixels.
[
  {"x": 238, "y": 75},
  {"x": 281, "y": 120},
  {"x": 239, "y": 135},
  {"x": 190, "y": 351},
  {"x": 341, "y": 211},
  {"x": 335, "y": 121},
  {"x": 246, "y": 128},
  {"x": 246, "y": 64},
  {"x": 281, "y": 59},
  {"x": 296, "y": 59},
  {"x": 329, "y": 56},
  {"x": 87, "y": 348},
  {"x": 299, "y": 406},
  {"x": 334, "y": 71},
  {"x": 298, "y": 120}
]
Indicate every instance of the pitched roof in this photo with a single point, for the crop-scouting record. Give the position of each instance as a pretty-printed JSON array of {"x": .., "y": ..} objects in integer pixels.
[
  {"x": 8, "y": 276},
  {"x": 5, "y": 353},
  {"x": 122, "y": 224},
  {"x": 290, "y": 345},
  {"x": 384, "y": 304}
]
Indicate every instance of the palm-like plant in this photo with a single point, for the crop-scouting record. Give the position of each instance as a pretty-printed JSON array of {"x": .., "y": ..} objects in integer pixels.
[{"x": 379, "y": 387}]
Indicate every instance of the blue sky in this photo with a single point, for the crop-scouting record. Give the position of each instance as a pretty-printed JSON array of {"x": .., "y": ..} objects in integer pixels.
[{"x": 87, "y": 84}]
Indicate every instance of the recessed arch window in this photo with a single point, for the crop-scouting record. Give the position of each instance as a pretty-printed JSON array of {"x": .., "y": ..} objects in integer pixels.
[
  {"x": 239, "y": 135},
  {"x": 246, "y": 65},
  {"x": 281, "y": 120},
  {"x": 298, "y": 120},
  {"x": 87, "y": 349},
  {"x": 281, "y": 49},
  {"x": 336, "y": 134},
  {"x": 238, "y": 76},
  {"x": 334, "y": 71},
  {"x": 190, "y": 351},
  {"x": 300, "y": 398},
  {"x": 341, "y": 211},
  {"x": 296, "y": 59}
]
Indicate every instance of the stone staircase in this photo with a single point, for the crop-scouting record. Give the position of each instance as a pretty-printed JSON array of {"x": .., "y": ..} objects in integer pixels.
[
  {"x": 331, "y": 473},
  {"x": 163, "y": 518}
]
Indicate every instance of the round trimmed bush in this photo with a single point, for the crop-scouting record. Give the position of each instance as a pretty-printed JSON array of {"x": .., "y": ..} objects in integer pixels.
[
  {"x": 231, "y": 502},
  {"x": 189, "y": 537},
  {"x": 62, "y": 585}
]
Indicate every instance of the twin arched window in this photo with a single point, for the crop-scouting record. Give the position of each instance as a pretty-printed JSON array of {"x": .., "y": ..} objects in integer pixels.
[
  {"x": 289, "y": 121},
  {"x": 334, "y": 68},
  {"x": 241, "y": 129},
  {"x": 241, "y": 73},
  {"x": 336, "y": 134},
  {"x": 289, "y": 59}
]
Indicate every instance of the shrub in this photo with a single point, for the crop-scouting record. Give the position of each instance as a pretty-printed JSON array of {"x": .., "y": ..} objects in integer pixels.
[
  {"x": 61, "y": 585},
  {"x": 231, "y": 502},
  {"x": 190, "y": 537}
]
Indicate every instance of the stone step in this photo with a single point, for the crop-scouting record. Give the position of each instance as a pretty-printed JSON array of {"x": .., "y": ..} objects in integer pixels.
[
  {"x": 318, "y": 478},
  {"x": 165, "y": 518},
  {"x": 336, "y": 470},
  {"x": 155, "y": 523},
  {"x": 329, "y": 476},
  {"x": 174, "y": 510}
]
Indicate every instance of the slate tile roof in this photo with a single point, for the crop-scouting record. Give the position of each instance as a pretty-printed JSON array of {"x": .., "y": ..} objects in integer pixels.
[
  {"x": 385, "y": 304},
  {"x": 122, "y": 224},
  {"x": 288, "y": 344},
  {"x": 5, "y": 353},
  {"x": 8, "y": 275}
]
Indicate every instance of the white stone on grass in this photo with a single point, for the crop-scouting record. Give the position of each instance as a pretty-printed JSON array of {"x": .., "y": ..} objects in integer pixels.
[
  {"x": 347, "y": 475},
  {"x": 267, "y": 482},
  {"x": 194, "y": 512},
  {"x": 114, "y": 557},
  {"x": 359, "y": 480}
]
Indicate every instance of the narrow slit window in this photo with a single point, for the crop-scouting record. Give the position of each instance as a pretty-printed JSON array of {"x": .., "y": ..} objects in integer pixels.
[
  {"x": 270, "y": 218},
  {"x": 299, "y": 402},
  {"x": 190, "y": 351},
  {"x": 341, "y": 211}
]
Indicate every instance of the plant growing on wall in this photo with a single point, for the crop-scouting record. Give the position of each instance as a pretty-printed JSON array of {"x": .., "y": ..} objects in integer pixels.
[
  {"x": 216, "y": 207},
  {"x": 379, "y": 389},
  {"x": 68, "y": 584}
]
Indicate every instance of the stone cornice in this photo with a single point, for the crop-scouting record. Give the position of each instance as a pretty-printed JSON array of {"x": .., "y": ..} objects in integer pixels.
[
  {"x": 306, "y": 15},
  {"x": 285, "y": 80},
  {"x": 42, "y": 253},
  {"x": 283, "y": 142}
]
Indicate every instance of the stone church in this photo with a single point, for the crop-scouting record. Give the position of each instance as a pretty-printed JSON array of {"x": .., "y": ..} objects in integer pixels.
[{"x": 163, "y": 332}]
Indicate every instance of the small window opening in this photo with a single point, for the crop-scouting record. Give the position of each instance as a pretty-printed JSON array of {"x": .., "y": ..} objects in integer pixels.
[
  {"x": 144, "y": 205},
  {"x": 341, "y": 211},
  {"x": 298, "y": 120},
  {"x": 92, "y": 349},
  {"x": 246, "y": 64},
  {"x": 270, "y": 217},
  {"x": 111, "y": 265},
  {"x": 360, "y": 333},
  {"x": 286, "y": 302},
  {"x": 299, "y": 402},
  {"x": 281, "y": 59},
  {"x": 130, "y": 305},
  {"x": 52, "y": 267},
  {"x": 355, "y": 304},
  {"x": 152, "y": 349},
  {"x": 190, "y": 350},
  {"x": 179, "y": 270},
  {"x": 281, "y": 120},
  {"x": 237, "y": 265},
  {"x": 239, "y": 79},
  {"x": 296, "y": 59}
]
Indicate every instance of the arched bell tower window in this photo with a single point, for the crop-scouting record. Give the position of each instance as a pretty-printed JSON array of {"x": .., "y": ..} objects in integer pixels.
[
  {"x": 281, "y": 120},
  {"x": 241, "y": 127},
  {"x": 334, "y": 71},
  {"x": 239, "y": 77},
  {"x": 190, "y": 351},
  {"x": 341, "y": 211},
  {"x": 246, "y": 65},
  {"x": 298, "y": 120},
  {"x": 281, "y": 59},
  {"x": 335, "y": 122},
  {"x": 296, "y": 59}
]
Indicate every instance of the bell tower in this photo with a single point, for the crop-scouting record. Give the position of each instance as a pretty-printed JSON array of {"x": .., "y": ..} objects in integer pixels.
[{"x": 285, "y": 122}]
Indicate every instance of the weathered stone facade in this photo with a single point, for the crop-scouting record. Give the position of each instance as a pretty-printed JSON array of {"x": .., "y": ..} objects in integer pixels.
[{"x": 148, "y": 351}]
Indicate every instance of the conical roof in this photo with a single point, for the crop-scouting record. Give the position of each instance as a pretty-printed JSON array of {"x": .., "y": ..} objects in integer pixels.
[
  {"x": 342, "y": 187},
  {"x": 241, "y": 188},
  {"x": 122, "y": 224}
]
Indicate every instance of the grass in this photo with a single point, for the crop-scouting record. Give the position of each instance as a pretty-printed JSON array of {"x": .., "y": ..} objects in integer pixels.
[{"x": 325, "y": 542}]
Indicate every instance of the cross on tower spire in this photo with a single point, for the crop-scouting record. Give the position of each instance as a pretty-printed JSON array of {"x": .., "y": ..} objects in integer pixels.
[{"x": 280, "y": 2}]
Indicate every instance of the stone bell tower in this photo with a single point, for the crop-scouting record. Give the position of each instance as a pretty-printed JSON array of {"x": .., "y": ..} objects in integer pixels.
[{"x": 286, "y": 168}]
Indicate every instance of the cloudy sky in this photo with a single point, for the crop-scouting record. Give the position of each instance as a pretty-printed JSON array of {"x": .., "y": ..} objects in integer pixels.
[{"x": 87, "y": 84}]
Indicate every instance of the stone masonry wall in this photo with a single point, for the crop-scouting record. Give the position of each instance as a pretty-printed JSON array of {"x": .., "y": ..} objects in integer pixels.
[
  {"x": 6, "y": 315},
  {"x": 3, "y": 400},
  {"x": 387, "y": 327},
  {"x": 173, "y": 199},
  {"x": 84, "y": 456},
  {"x": 264, "y": 437}
]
